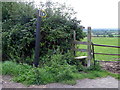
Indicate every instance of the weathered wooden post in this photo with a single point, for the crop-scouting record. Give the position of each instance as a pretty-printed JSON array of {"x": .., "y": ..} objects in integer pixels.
[
  {"x": 37, "y": 41},
  {"x": 74, "y": 38},
  {"x": 40, "y": 14},
  {"x": 89, "y": 57},
  {"x": 74, "y": 35}
]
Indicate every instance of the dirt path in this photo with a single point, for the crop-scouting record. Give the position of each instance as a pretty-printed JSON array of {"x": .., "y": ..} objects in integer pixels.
[
  {"x": 113, "y": 66},
  {"x": 108, "y": 82}
]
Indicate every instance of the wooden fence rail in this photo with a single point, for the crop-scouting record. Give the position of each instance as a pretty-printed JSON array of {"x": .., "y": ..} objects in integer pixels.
[
  {"x": 78, "y": 42},
  {"x": 106, "y": 46},
  {"x": 82, "y": 50},
  {"x": 85, "y": 50},
  {"x": 107, "y": 54},
  {"x": 85, "y": 43}
]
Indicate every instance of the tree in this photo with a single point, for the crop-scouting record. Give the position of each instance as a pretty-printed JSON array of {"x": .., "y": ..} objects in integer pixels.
[{"x": 110, "y": 35}]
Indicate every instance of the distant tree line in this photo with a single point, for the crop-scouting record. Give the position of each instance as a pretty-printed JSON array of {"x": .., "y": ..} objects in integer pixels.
[{"x": 104, "y": 33}]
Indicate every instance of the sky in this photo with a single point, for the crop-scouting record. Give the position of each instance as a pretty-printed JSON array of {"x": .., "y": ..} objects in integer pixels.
[{"x": 94, "y": 13}]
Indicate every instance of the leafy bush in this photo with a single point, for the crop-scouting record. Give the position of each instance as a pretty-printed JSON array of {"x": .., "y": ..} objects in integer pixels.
[
  {"x": 19, "y": 33},
  {"x": 57, "y": 58}
]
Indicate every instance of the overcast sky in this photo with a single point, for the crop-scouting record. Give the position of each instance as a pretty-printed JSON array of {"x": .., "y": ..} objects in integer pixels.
[{"x": 94, "y": 13}]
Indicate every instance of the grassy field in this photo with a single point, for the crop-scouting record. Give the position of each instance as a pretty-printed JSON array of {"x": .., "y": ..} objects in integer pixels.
[{"x": 108, "y": 50}]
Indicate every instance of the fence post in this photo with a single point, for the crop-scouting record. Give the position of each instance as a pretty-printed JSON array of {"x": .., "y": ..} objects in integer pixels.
[
  {"x": 89, "y": 47},
  {"x": 93, "y": 53},
  {"x": 74, "y": 35},
  {"x": 74, "y": 38}
]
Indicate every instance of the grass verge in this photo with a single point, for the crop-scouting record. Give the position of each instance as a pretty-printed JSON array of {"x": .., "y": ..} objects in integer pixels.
[{"x": 28, "y": 75}]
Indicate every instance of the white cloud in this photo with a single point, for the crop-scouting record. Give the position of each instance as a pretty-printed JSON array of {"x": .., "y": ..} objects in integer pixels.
[{"x": 95, "y": 13}]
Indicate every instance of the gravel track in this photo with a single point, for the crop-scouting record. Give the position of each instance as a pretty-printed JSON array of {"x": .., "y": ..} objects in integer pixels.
[{"x": 108, "y": 82}]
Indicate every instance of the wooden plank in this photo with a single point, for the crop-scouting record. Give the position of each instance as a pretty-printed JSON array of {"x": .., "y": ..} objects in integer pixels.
[
  {"x": 81, "y": 57},
  {"x": 106, "y": 46},
  {"x": 107, "y": 54},
  {"x": 81, "y": 50},
  {"x": 78, "y": 42}
]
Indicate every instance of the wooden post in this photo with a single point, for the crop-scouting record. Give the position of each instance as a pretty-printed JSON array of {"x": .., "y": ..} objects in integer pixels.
[
  {"x": 74, "y": 35},
  {"x": 89, "y": 57},
  {"x": 93, "y": 53},
  {"x": 37, "y": 41},
  {"x": 74, "y": 38}
]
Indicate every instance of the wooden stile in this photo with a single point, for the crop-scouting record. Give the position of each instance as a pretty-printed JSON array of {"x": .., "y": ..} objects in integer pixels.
[
  {"x": 81, "y": 57},
  {"x": 74, "y": 48},
  {"x": 90, "y": 48}
]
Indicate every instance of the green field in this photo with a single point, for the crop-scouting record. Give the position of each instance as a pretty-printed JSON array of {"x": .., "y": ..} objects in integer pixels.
[{"x": 98, "y": 49}]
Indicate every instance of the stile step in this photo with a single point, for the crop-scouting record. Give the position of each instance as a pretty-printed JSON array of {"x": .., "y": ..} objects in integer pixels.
[{"x": 81, "y": 57}]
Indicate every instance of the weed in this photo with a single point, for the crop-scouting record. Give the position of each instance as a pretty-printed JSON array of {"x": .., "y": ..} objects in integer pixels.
[{"x": 69, "y": 82}]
